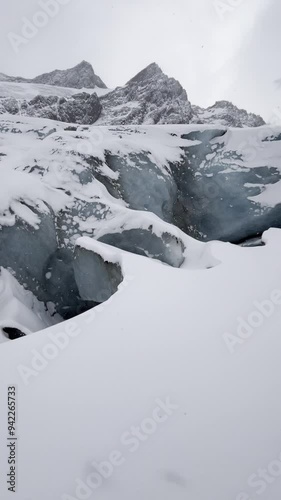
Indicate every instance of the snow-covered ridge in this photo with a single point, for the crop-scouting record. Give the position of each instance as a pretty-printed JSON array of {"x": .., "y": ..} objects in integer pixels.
[{"x": 225, "y": 113}]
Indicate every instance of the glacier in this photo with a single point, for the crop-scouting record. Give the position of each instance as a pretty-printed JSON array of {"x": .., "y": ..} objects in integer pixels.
[{"x": 149, "y": 190}]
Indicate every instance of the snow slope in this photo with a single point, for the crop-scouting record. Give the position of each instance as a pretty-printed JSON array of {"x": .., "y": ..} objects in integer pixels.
[
  {"x": 155, "y": 357},
  {"x": 28, "y": 91}
]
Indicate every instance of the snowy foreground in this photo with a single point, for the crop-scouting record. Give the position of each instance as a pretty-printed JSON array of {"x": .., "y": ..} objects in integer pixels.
[{"x": 170, "y": 390}]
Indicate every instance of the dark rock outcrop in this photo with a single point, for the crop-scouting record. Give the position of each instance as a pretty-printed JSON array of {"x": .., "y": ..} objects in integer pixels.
[{"x": 82, "y": 108}]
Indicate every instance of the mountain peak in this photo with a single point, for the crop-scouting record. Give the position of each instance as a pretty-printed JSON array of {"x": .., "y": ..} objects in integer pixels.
[
  {"x": 83, "y": 65},
  {"x": 150, "y": 71},
  {"x": 81, "y": 76}
]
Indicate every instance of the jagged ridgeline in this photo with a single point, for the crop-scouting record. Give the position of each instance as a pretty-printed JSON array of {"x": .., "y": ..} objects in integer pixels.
[{"x": 151, "y": 97}]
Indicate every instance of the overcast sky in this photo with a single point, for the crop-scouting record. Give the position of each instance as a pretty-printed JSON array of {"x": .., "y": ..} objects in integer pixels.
[{"x": 217, "y": 49}]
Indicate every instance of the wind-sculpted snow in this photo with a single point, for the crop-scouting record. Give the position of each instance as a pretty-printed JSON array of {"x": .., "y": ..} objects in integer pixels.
[{"x": 143, "y": 189}]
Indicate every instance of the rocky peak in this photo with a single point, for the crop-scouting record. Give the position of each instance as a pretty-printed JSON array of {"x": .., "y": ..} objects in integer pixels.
[
  {"x": 223, "y": 104},
  {"x": 150, "y": 97},
  {"x": 81, "y": 76},
  {"x": 149, "y": 72}
]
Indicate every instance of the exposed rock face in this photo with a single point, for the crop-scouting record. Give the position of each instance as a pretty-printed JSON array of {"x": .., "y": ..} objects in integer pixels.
[
  {"x": 150, "y": 97},
  {"x": 224, "y": 113},
  {"x": 81, "y": 76},
  {"x": 81, "y": 108},
  {"x": 10, "y": 105}
]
